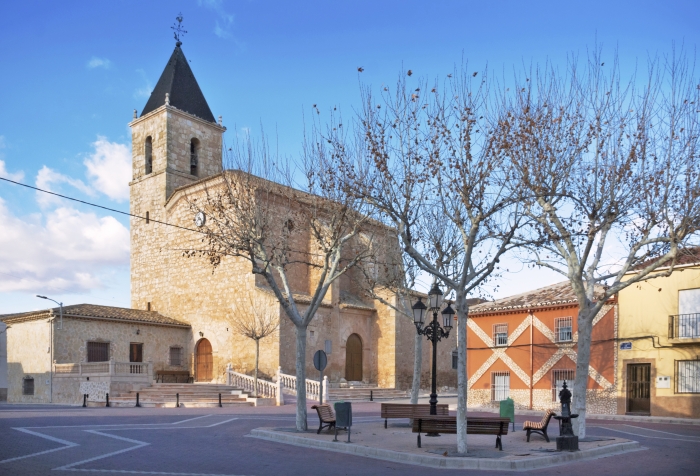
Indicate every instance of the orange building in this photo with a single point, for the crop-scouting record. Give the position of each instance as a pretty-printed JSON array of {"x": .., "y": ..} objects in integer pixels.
[{"x": 524, "y": 347}]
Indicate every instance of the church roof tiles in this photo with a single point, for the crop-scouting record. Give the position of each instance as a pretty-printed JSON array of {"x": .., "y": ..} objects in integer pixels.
[
  {"x": 93, "y": 311},
  {"x": 178, "y": 81}
]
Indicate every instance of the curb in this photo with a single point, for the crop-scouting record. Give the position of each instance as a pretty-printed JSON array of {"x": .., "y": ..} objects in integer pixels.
[
  {"x": 597, "y": 416},
  {"x": 443, "y": 462}
]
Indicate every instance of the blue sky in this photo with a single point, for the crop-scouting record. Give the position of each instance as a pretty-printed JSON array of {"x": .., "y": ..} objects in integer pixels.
[{"x": 72, "y": 73}]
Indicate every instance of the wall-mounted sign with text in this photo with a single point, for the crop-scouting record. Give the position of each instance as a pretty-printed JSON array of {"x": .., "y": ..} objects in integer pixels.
[{"x": 625, "y": 346}]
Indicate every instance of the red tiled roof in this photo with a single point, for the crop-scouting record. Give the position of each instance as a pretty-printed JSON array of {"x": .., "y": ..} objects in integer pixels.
[
  {"x": 554, "y": 295},
  {"x": 93, "y": 311},
  {"x": 686, "y": 256}
]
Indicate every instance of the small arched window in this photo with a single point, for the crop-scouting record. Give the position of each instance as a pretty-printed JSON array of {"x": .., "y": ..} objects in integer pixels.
[
  {"x": 194, "y": 156},
  {"x": 148, "y": 152}
]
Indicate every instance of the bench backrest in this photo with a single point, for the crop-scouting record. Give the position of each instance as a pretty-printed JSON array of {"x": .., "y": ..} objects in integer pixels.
[
  {"x": 475, "y": 425},
  {"x": 547, "y": 416},
  {"x": 325, "y": 412},
  {"x": 409, "y": 410}
]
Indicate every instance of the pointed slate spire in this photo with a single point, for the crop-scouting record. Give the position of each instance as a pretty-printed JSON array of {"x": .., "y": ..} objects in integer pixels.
[{"x": 179, "y": 83}]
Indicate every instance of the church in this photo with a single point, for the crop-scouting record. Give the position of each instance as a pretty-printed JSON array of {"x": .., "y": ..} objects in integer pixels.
[{"x": 182, "y": 314}]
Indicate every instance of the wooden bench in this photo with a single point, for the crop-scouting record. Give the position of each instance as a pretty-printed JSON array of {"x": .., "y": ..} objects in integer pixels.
[
  {"x": 161, "y": 374},
  {"x": 409, "y": 410},
  {"x": 475, "y": 426},
  {"x": 326, "y": 416},
  {"x": 540, "y": 426}
]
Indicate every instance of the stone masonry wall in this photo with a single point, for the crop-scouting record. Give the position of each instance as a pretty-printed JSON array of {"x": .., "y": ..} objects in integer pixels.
[
  {"x": 29, "y": 355},
  {"x": 71, "y": 341}
]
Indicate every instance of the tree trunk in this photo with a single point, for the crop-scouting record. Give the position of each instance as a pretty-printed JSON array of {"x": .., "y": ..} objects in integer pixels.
[
  {"x": 255, "y": 378},
  {"x": 583, "y": 359},
  {"x": 417, "y": 367},
  {"x": 462, "y": 312},
  {"x": 301, "y": 378}
]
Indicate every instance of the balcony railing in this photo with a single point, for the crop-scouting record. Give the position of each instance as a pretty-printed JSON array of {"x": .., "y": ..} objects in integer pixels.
[
  {"x": 104, "y": 368},
  {"x": 684, "y": 326}
]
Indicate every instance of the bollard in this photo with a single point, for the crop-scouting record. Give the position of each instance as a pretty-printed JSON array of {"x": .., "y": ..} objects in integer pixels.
[
  {"x": 371, "y": 396},
  {"x": 220, "y": 405},
  {"x": 107, "y": 395},
  {"x": 137, "y": 400},
  {"x": 85, "y": 400},
  {"x": 177, "y": 400}
]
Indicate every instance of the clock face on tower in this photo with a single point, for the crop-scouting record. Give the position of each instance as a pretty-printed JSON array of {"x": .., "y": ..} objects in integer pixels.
[{"x": 200, "y": 219}]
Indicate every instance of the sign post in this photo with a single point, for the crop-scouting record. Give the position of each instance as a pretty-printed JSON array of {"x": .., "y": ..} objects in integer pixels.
[{"x": 320, "y": 362}]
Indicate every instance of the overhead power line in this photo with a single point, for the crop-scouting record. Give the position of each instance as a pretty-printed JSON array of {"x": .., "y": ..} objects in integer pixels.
[{"x": 98, "y": 206}]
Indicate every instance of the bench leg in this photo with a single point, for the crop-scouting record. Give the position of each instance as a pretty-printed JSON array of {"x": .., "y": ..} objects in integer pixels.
[
  {"x": 528, "y": 435},
  {"x": 320, "y": 427},
  {"x": 418, "y": 440},
  {"x": 385, "y": 423},
  {"x": 498, "y": 443},
  {"x": 544, "y": 432}
]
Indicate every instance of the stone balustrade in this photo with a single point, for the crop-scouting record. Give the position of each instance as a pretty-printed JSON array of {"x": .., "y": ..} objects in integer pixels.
[{"x": 112, "y": 368}]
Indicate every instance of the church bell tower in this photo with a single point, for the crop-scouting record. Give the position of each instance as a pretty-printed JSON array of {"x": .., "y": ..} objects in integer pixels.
[{"x": 174, "y": 142}]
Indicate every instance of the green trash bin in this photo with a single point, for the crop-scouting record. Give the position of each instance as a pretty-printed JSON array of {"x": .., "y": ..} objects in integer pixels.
[{"x": 508, "y": 410}]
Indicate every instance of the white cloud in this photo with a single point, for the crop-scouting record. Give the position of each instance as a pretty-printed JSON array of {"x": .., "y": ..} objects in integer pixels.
[
  {"x": 66, "y": 251},
  {"x": 109, "y": 169},
  {"x": 223, "y": 24},
  {"x": 47, "y": 177},
  {"x": 96, "y": 62},
  {"x": 16, "y": 176}
]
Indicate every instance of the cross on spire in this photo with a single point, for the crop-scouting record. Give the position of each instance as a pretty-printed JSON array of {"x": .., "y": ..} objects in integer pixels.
[{"x": 178, "y": 30}]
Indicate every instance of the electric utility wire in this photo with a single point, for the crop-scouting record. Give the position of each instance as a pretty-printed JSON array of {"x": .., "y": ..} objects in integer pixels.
[{"x": 100, "y": 206}]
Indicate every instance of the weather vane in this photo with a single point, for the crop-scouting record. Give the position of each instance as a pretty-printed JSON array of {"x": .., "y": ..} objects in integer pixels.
[{"x": 177, "y": 29}]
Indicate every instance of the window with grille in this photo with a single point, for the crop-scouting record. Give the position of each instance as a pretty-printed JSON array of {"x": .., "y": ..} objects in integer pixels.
[
  {"x": 688, "y": 376},
  {"x": 176, "y": 356},
  {"x": 28, "y": 386},
  {"x": 500, "y": 335},
  {"x": 563, "y": 330},
  {"x": 500, "y": 386},
  {"x": 558, "y": 378},
  {"x": 97, "y": 351},
  {"x": 455, "y": 359}
]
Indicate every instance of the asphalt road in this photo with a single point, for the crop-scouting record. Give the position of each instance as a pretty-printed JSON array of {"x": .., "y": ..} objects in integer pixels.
[{"x": 41, "y": 440}]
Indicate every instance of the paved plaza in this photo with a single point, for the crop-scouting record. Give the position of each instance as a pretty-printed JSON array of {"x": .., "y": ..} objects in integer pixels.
[{"x": 40, "y": 440}]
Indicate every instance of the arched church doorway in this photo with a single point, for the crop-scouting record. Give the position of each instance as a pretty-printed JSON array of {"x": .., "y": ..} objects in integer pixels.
[
  {"x": 205, "y": 361},
  {"x": 353, "y": 358}
]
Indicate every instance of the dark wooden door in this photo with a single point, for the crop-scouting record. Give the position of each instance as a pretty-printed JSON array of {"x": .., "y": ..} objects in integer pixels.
[
  {"x": 135, "y": 352},
  {"x": 639, "y": 388},
  {"x": 353, "y": 358},
  {"x": 205, "y": 361},
  {"x": 135, "y": 355}
]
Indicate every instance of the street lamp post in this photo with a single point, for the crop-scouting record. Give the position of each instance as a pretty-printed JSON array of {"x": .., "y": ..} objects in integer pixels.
[
  {"x": 60, "y": 326},
  {"x": 60, "y": 305},
  {"x": 433, "y": 331}
]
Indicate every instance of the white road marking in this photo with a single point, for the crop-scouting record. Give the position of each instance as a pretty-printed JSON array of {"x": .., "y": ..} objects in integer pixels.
[
  {"x": 119, "y": 424},
  {"x": 643, "y": 436},
  {"x": 221, "y": 422},
  {"x": 190, "y": 419},
  {"x": 139, "y": 444},
  {"x": 659, "y": 431},
  {"x": 125, "y": 471},
  {"x": 68, "y": 444}
]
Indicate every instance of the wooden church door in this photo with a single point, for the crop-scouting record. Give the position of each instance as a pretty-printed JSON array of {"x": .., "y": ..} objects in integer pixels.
[
  {"x": 353, "y": 359},
  {"x": 205, "y": 361}
]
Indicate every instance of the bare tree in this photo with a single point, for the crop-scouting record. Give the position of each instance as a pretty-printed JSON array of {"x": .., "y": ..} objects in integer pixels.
[
  {"x": 296, "y": 241},
  {"x": 391, "y": 281},
  {"x": 611, "y": 179},
  {"x": 256, "y": 322},
  {"x": 425, "y": 160}
]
